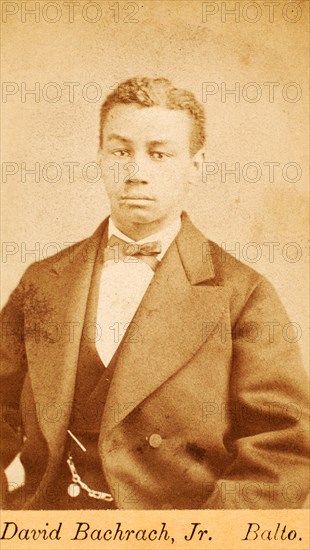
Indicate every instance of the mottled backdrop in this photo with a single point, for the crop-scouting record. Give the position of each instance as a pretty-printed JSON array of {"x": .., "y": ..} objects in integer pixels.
[{"x": 247, "y": 61}]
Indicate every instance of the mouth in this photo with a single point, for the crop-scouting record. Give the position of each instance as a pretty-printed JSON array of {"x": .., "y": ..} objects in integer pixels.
[{"x": 136, "y": 198}]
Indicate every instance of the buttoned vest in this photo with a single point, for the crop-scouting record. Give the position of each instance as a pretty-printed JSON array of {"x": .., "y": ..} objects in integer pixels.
[{"x": 91, "y": 390}]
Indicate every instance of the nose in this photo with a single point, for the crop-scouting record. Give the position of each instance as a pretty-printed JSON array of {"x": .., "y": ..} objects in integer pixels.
[{"x": 138, "y": 170}]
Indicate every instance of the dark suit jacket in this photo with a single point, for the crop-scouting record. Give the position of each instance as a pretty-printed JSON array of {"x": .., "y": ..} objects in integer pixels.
[{"x": 208, "y": 404}]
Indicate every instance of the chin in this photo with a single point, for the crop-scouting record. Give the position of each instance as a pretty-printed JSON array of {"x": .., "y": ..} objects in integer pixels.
[
  {"x": 142, "y": 218},
  {"x": 140, "y": 215}
]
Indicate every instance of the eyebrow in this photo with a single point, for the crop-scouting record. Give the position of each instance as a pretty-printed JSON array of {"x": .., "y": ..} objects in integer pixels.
[
  {"x": 119, "y": 138},
  {"x": 161, "y": 142},
  {"x": 153, "y": 143}
]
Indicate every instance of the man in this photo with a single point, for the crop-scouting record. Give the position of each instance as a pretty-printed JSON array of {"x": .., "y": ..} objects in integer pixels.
[{"x": 131, "y": 376}]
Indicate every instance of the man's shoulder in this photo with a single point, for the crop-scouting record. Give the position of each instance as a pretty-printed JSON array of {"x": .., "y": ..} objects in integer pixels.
[
  {"x": 227, "y": 265},
  {"x": 227, "y": 268},
  {"x": 239, "y": 282},
  {"x": 84, "y": 248}
]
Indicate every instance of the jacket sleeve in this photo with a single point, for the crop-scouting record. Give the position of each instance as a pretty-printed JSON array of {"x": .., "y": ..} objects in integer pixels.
[
  {"x": 12, "y": 373},
  {"x": 267, "y": 411}
]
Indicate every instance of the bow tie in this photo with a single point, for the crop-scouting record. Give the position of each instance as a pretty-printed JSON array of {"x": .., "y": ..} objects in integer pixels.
[{"x": 118, "y": 250}]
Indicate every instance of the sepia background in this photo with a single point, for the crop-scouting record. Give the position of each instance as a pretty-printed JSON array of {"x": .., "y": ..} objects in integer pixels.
[{"x": 74, "y": 53}]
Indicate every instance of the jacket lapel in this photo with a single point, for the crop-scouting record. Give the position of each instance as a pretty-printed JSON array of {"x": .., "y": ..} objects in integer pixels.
[
  {"x": 168, "y": 326},
  {"x": 59, "y": 305}
]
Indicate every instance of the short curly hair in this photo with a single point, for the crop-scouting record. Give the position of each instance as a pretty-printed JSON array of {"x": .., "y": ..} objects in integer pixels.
[{"x": 150, "y": 92}]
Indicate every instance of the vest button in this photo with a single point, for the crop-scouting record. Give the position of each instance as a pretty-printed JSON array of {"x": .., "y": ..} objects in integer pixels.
[{"x": 155, "y": 441}]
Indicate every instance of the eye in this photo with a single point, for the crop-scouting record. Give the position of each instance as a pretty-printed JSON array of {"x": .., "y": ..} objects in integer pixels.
[
  {"x": 121, "y": 153},
  {"x": 158, "y": 155}
]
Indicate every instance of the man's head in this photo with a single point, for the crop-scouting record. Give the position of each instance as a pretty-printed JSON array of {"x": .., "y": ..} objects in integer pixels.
[
  {"x": 158, "y": 92},
  {"x": 151, "y": 135}
]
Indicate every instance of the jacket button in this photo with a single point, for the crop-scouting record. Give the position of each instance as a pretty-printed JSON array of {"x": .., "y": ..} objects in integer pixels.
[{"x": 155, "y": 440}]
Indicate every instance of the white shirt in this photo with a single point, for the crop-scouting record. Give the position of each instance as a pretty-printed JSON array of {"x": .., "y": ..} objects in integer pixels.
[{"x": 122, "y": 287}]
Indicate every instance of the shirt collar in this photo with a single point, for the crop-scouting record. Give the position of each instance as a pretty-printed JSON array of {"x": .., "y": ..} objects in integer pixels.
[{"x": 165, "y": 236}]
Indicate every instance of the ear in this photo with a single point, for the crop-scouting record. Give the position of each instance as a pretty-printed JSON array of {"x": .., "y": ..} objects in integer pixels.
[{"x": 196, "y": 165}]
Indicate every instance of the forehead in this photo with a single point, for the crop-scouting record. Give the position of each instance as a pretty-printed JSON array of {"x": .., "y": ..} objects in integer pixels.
[{"x": 148, "y": 123}]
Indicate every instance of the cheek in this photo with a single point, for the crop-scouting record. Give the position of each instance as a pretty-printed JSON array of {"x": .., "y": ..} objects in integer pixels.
[
  {"x": 171, "y": 194},
  {"x": 180, "y": 170},
  {"x": 111, "y": 177},
  {"x": 170, "y": 173},
  {"x": 115, "y": 171},
  {"x": 176, "y": 180},
  {"x": 111, "y": 188}
]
